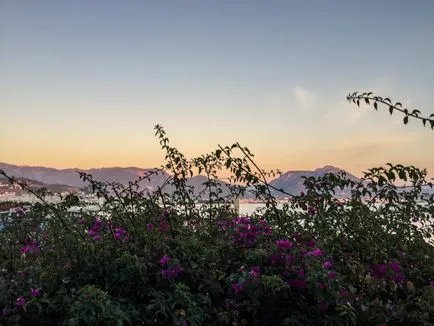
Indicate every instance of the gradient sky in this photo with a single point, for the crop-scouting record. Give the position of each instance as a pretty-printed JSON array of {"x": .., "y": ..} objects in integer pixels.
[{"x": 82, "y": 83}]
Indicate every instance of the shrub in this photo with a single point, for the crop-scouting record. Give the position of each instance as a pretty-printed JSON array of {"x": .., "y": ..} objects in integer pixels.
[{"x": 159, "y": 259}]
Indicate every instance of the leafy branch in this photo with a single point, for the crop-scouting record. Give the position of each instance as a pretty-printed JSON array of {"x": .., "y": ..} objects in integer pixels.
[{"x": 370, "y": 99}]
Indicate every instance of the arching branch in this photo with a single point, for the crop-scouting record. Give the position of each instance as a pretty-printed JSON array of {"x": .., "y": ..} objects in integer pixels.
[{"x": 370, "y": 99}]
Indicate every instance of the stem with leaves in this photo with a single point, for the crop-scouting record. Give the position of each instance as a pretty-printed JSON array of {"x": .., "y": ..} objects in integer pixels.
[{"x": 369, "y": 99}]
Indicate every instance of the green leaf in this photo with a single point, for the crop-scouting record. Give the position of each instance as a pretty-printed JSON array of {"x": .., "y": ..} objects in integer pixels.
[
  {"x": 405, "y": 120},
  {"x": 366, "y": 100},
  {"x": 391, "y": 109},
  {"x": 375, "y": 106}
]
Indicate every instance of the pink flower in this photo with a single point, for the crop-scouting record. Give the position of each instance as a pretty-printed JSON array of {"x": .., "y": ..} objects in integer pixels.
[
  {"x": 20, "y": 301},
  {"x": 331, "y": 275},
  {"x": 327, "y": 264},
  {"x": 237, "y": 287},
  {"x": 298, "y": 283},
  {"x": 165, "y": 260},
  {"x": 290, "y": 259},
  {"x": 255, "y": 271},
  {"x": 344, "y": 293},
  {"x": 275, "y": 259},
  {"x": 96, "y": 228},
  {"x": 35, "y": 292},
  {"x": 315, "y": 253},
  {"x": 311, "y": 243},
  {"x": 120, "y": 234},
  {"x": 284, "y": 244},
  {"x": 149, "y": 227},
  {"x": 163, "y": 226},
  {"x": 30, "y": 248},
  {"x": 172, "y": 272}
]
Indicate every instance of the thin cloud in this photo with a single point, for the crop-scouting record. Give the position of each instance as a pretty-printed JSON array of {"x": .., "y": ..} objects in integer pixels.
[{"x": 304, "y": 97}]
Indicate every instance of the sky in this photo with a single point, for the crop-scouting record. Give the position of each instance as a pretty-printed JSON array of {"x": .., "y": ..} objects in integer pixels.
[{"x": 83, "y": 83}]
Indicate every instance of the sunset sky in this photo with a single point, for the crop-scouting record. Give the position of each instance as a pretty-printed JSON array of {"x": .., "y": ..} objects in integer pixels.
[{"x": 82, "y": 83}]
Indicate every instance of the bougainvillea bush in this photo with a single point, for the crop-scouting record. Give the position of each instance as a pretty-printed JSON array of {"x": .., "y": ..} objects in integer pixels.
[{"x": 366, "y": 258}]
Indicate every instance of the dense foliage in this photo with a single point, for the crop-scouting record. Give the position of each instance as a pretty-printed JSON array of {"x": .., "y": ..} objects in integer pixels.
[{"x": 159, "y": 259}]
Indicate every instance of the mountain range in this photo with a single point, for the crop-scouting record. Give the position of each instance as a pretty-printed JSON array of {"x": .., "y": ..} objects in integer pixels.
[{"x": 290, "y": 181}]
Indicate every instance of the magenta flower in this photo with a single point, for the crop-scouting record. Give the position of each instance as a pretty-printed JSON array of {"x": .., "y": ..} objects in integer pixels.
[
  {"x": 35, "y": 292},
  {"x": 237, "y": 287},
  {"x": 93, "y": 232},
  {"x": 391, "y": 271},
  {"x": 246, "y": 231},
  {"x": 120, "y": 234},
  {"x": 163, "y": 226},
  {"x": 327, "y": 264},
  {"x": 331, "y": 275},
  {"x": 395, "y": 266},
  {"x": 290, "y": 259},
  {"x": 298, "y": 283},
  {"x": 398, "y": 278},
  {"x": 275, "y": 259},
  {"x": 264, "y": 227},
  {"x": 255, "y": 271},
  {"x": 31, "y": 247},
  {"x": 432, "y": 284},
  {"x": 344, "y": 293},
  {"x": 149, "y": 227},
  {"x": 165, "y": 260},
  {"x": 20, "y": 301},
  {"x": 379, "y": 270},
  {"x": 284, "y": 244},
  {"x": 172, "y": 273},
  {"x": 311, "y": 243},
  {"x": 315, "y": 253}
]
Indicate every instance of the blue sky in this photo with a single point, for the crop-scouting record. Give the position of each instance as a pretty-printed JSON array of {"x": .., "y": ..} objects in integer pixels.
[{"x": 82, "y": 83}]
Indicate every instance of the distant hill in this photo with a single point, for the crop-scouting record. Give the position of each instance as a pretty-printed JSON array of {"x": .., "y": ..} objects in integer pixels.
[
  {"x": 70, "y": 177},
  {"x": 291, "y": 181},
  {"x": 6, "y": 186}
]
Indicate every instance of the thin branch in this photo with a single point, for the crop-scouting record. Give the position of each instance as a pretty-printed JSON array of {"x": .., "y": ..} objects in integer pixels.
[{"x": 369, "y": 99}]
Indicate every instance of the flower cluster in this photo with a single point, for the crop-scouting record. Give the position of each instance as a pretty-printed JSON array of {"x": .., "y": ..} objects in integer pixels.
[
  {"x": 35, "y": 292},
  {"x": 246, "y": 231},
  {"x": 21, "y": 301},
  {"x": 296, "y": 258},
  {"x": 120, "y": 234},
  {"x": 284, "y": 244},
  {"x": 94, "y": 231},
  {"x": 31, "y": 247},
  {"x": 170, "y": 272},
  {"x": 391, "y": 271},
  {"x": 246, "y": 277}
]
